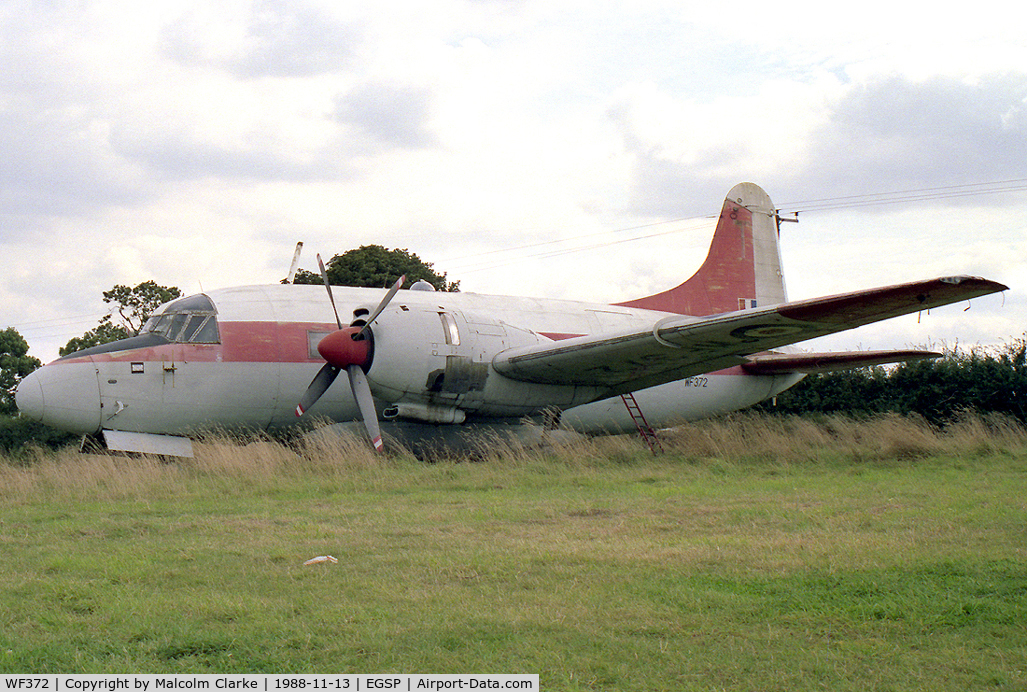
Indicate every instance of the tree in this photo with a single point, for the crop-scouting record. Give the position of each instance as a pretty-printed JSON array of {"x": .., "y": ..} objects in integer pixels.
[
  {"x": 373, "y": 266},
  {"x": 133, "y": 307},
  {"x": 15, "y": 363}
]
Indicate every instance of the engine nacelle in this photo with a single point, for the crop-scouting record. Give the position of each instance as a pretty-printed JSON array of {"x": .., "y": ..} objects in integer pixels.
[{"x": 441, "y": 361}]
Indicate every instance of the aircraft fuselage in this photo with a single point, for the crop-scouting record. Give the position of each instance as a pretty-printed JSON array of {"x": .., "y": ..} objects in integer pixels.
[{"x": 432, "y": 355}]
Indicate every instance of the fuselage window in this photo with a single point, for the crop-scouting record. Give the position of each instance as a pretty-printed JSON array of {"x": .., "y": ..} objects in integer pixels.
[{"x": 449, "y": 329}]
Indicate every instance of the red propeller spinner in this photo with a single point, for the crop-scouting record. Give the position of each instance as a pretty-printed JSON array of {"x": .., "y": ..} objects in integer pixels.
[{"x": 347, "y": 347}]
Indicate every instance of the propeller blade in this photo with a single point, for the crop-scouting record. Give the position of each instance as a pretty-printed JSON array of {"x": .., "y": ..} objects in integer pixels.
[
  {"x": 382, "y": 305},
  {"x": 295, "y": 263},
  {"x": 362, "y": 393},
  {"x": 324, "y": 277},
  {"x": 318, "y": 386}
]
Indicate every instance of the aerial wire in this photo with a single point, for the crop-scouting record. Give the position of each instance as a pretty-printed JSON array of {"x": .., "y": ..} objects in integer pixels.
[{"x": 802, "y": 206}]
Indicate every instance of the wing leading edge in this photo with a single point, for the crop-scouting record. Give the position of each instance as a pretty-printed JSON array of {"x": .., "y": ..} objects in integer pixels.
[{"x": 677, "y": 347}]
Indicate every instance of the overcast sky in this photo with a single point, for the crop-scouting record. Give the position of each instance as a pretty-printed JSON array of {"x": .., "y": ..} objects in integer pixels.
[{"x": 563, "y": 149}]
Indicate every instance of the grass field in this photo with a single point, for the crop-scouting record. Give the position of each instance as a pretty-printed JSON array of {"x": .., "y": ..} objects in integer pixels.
[{"x": 757, "y": 554}]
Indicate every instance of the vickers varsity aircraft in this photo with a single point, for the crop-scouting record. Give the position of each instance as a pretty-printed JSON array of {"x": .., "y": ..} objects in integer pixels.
[{"x": 424, "y": 366}]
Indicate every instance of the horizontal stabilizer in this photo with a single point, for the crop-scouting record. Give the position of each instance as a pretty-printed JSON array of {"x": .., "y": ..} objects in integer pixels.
[{"x": 783, "y": 363}]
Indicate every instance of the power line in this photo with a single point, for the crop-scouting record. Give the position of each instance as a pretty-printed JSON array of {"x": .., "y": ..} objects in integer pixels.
[
  {"x": 583, "y": 248},
  {"x": 906, "y": 196},
  {"x": 573, "y": 238},
  {"x": 72, "y": 319},
  {"x": 823, "y": 204}
]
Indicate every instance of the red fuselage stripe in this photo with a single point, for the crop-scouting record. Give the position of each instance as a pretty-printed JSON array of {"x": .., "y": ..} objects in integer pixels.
[{"x": 241, "y": 342}]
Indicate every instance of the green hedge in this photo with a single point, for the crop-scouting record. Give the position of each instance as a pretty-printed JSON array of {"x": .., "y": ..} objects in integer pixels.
[{"x": 982, "y": 380}]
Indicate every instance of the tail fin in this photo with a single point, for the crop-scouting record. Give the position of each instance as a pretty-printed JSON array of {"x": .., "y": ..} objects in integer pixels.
[{"x": 743, "y": 267}]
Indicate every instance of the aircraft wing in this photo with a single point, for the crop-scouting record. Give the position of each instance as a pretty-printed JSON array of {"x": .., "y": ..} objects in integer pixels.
[{"x": 678, "y": 346}]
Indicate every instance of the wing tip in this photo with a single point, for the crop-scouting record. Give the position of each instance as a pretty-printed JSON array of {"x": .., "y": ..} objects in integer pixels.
[{"x": 993, "y": 286}]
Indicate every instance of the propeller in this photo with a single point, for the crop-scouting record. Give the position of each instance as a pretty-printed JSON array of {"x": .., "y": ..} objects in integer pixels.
[{"x": 351, "y": 349}]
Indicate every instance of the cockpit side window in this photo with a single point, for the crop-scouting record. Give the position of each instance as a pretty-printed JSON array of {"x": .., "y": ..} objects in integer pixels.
[
  {"x": 177, "y": 321},
  {"x": 159, "y": 325},
  {"x": 191, "y": 326},
  {"x": 208, "y": 333},
  {"x": 188, "y": 320}
]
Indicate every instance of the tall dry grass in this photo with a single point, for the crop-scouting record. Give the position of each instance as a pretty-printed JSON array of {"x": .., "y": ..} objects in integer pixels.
[
  {"x": 740, "y": 439},
  {"x": 789, "y": 439},
  {"x": 221, "y": 463}
]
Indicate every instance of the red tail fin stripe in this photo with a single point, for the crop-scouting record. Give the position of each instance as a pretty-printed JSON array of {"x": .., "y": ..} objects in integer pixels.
[{"x": 742, "y": 268}]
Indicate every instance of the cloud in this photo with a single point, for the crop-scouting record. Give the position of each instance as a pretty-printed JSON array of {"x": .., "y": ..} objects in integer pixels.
[
  {"x": 58, "y": 163},
  {"x": 390, "y": 114},
  {"x": 821, "y": 140},
  {"x": 895, "y": 133},
  {"x": 268, "y": 39},
  {"x": 700, "y": 147},
  {"x": 180, "y": 154}
]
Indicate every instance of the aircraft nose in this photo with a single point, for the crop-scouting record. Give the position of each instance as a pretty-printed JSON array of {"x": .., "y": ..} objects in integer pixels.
[
  {"x": 29, "y": 396},
  {"x": 62, "y": 395}
]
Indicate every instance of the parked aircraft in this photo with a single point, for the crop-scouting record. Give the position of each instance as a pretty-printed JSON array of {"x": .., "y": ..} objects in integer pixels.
[{"x": 425, "y": 366}]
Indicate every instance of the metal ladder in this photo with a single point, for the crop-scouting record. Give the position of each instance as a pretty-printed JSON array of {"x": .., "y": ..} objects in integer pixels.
[{"x": 644, "y": 429}]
